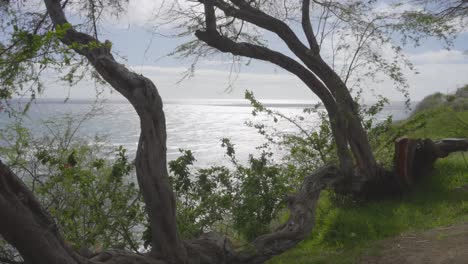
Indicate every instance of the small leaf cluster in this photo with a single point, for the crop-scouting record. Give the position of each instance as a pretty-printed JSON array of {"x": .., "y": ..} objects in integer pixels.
[
  {"x": 86, "y": 188},
  {"x": 308, "y": 146},
  {"x": 239, "y": 200}
]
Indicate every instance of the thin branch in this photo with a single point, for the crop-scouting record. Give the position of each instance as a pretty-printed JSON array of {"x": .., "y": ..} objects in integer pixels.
[
  {"x": 224, "y": 44},
  {"x": 362, "y": 40},
  {"x": 307, "y": 27},
  {"x": 93, "y": 18},
  {"x": 314, "y": 62}
]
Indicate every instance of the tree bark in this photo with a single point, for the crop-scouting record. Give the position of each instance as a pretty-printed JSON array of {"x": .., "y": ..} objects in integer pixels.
[
  {"x": 415, "y": 158},
  {"x": 28, "y": 227},
  {"x": 21, "y": 214},
  {"x": 214, "y": 39},
  {"x": 150, "y": 162},
  {"x": 345, "y": 121}
]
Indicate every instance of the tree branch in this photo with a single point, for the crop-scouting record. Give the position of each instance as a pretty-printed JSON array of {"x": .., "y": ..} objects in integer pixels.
[
  {"x": 151, "y": 158},
  {"x": 311, "y": 59},
  {"x": 307, "y": 27},
  {"x": 415, "y": 157},
  {"x": 301, "y": 221},
  {"x": 210, "y": 16},
  {"x": 225, "y": 44},
  {"x": 27, "y": 226}
]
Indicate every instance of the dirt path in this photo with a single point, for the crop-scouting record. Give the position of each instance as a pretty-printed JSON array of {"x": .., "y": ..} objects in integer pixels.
[{"x": 440, "y": 245}]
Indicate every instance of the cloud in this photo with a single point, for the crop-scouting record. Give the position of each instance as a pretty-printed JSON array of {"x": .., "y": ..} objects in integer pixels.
[
  {"x": 205, "y": 84},
  {"x": 441, "y": 56},
  {"x": 212, "y": 84},
  {"x": 209, "y": 83},
  {"x": 152, "y": 14},
  {"x": 444, "y": 78},
  {"x": 141, "y": 12}
]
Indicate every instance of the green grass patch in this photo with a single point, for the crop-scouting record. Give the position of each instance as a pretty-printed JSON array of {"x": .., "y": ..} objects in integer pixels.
[
  {"x": 437, "y": 123},
  {"x": 345, "y": 232}
]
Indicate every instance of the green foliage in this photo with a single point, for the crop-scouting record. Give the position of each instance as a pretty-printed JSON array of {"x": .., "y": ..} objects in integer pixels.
[
  {"x": 32, "y": 50},
  {"x": 458, "y": 101},
  {"x": 344, "y": 232},
  {"x": 239, "y": 200},
  {"x": 308, "y": 148},
  {"x": 203, "y": 198},
  {"x": 416, "y": 25},
  {"x": 29, "y": 52},
  {"x": 244, "y": 201},
  {"x": 258, "y": 198},
  {"x": 86, "y": 188}
]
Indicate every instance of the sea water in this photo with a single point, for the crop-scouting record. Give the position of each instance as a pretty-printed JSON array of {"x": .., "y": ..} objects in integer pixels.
[{"x": 196, "y": 125}]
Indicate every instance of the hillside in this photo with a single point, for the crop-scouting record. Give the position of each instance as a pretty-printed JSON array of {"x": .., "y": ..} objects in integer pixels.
[{"x": 394, "y": 230}]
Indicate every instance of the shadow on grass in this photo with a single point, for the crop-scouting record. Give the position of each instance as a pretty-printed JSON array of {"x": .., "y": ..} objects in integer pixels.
[{"x": 348, "y": 230}]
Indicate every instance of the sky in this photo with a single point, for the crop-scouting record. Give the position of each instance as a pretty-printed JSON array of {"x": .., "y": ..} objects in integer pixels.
[{"x": 440, "y": 70}]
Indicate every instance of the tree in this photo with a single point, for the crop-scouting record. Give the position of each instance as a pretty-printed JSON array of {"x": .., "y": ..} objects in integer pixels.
[
  {"x": 439, "y": 18},
  {"x": 150, "y": 160},
  {"x": 315, "y": 73},
  {"x": 30, "y": 229},
  {"x": 90, "y": 196},
  {"x": 230, "y": 26},
  {"x": 446, "y": 10},
  {"x": 358, "y": 31}
]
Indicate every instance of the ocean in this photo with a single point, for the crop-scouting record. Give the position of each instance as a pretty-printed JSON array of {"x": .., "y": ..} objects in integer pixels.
[{"x": 197, "y": 125}]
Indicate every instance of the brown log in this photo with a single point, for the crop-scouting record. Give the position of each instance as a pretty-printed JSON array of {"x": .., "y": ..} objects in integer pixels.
[{"x": 415, "y": 158}]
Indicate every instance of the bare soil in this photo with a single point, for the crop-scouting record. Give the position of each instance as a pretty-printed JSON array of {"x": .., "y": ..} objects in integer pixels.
[{"x": 440, "y": 245}]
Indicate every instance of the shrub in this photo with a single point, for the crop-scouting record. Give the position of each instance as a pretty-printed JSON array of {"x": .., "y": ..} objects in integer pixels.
[
  {"x": 84, "y": 186},
  {"x": 241, "y": 200}
]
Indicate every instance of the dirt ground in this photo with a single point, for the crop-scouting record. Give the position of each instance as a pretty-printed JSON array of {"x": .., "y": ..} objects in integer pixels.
[{"x": 440, "y": 245}]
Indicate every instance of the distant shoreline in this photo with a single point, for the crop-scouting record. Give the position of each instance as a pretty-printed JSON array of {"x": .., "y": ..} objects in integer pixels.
[{"x": 204, "y": 102}]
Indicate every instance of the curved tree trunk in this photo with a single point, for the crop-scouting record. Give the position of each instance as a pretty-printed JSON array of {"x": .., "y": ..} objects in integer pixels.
[
  {"x": 29, "y": 228},
  {"x": 357, "y": 137},
  {"x": 151, "y": 154},
  {"x": 348, "y": 132}
]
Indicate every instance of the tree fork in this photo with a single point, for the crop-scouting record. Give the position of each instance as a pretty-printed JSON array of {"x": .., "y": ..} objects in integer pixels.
[{"x": 21, "y": 214}]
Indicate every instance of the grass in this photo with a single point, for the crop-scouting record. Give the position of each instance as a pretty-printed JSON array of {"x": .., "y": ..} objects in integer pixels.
[
  {"x": 458, "y": 100},
  {"x": 442, "y": 122},
  {"x": 343, "y": 233}
]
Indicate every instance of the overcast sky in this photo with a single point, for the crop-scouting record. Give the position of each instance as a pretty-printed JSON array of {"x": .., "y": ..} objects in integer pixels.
[{"x": 439, "y": 69}]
